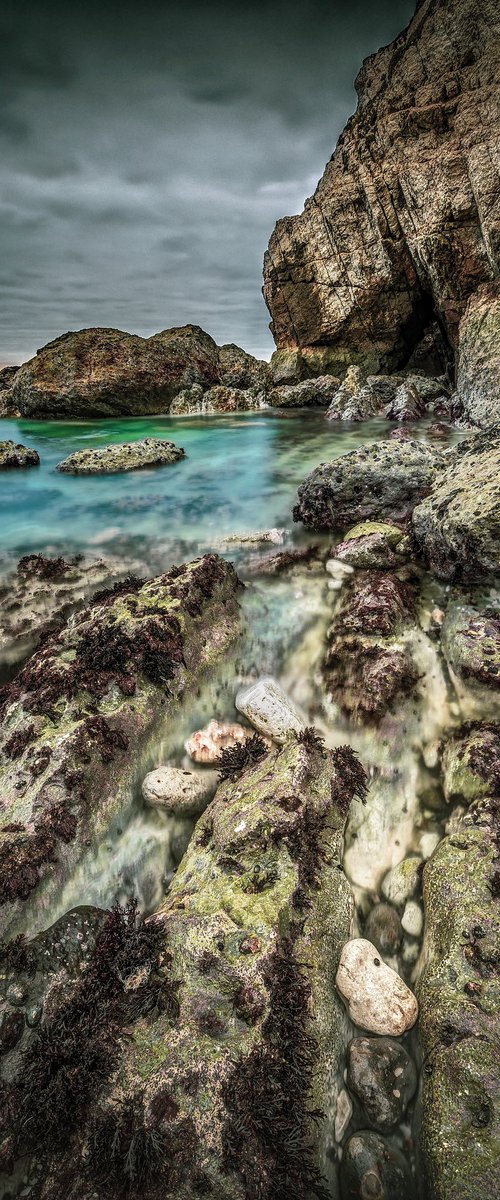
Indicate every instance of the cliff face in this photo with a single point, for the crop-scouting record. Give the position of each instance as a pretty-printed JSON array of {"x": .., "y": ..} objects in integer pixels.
[{"x": 404, "y": 225}]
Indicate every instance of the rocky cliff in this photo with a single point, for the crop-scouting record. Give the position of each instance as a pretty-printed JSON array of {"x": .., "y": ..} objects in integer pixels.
[{"x": 404, "y": 225}]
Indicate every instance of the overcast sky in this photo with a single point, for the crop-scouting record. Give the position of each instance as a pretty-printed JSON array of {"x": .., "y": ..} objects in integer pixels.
[{"x": 147, "y": 150}]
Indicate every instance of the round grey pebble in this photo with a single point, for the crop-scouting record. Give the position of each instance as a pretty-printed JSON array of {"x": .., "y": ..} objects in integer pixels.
[
  {"x": 371, "y": 1169},
  {"x": 384, "y": 929},
  {"x": 382, "y": 1076}
]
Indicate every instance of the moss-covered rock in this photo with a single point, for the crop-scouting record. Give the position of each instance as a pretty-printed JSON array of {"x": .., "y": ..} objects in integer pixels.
[
  {"x": 457, "y": 526},
  {"x": 471, "y": 644},
  {"x": 381, "y": 481},
  {"x": 123, "y": 456},
  {"x": 471, "y": 764},
  {"x": 223, "y": 1077},
  {"x": 14, "y": 454},
  {"x": 459, "y": 998},
  {"x": 374, "y": 544},
  {"x": 80, "y": 711}
]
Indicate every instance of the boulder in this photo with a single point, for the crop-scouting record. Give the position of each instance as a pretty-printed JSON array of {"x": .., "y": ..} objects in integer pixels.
[
  {"x": 460, "y": 1010},
  {"x": 308, "y": 394},
  {"x": 377, "y": 998},
  {"x": 457, "y": 526},
  {"x": 219, "y": 398},
  {"x": 124, "y": 456},
  {"x": 471, "y": 644},
  {"x": 13, "y": 454},
  {"x": 358, "y": 398},
  {"x": 478, "y": 370},
  {"x": 7, "y": 406},
  {"x": 385, "y": 480},
  {"x": 402, "y": 882},
  {"x": 383, "y": 928},
  {"x": 471, "y": 764},
  {"x": 192, "y": 1032},
  {"x": 177, "y": 791},
  {"x": 373, "y": 544},
  {"x": 372, "y": 1167},
  {"x": 83, "y": 709},
  {"x": 238, "y": 369},
  {"x": 382, "y": 1076},
  {"x": 403, "y": 225}
]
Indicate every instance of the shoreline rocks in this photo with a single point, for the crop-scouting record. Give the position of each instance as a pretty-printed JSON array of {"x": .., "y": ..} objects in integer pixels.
[
  {"x": 175, "y": 790},
  {"x": 123, "y": 456},
  {"x": 14, "y": 454},
  {"x": 268, "y": 708}
]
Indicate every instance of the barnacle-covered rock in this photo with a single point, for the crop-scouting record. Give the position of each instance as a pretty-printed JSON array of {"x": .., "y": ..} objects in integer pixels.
[
  {"x": 124, "y": 456},
  {"x": 14, "y": 454},
  {"x": 471, "y": 644},
  {"x": 233, "y": 1038},
  {"x": 104, "y": 684},
  {"x": 471, "y": 763}
]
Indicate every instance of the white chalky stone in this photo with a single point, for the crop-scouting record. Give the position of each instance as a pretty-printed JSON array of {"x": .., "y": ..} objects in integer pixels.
[
  {"x": 175, "y": 790},
  {"x": 413, "y": 919},
  {"x": 377, "y": 999},
  {"x": 339, "y": 570},
  {"x": 428, "y": 843},
  {"x": 343, "y": 1114},
  {"x": 269, "y": 709}
]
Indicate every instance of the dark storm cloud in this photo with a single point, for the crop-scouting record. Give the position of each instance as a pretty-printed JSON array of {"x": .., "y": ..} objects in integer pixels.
[{"x": 147, "y": 150}]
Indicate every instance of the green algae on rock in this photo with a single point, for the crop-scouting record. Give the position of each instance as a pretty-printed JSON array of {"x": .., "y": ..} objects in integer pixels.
[
  {"x": 81, "y": 710},
  {"x": 381, "y": 481},
  {"x": 459, "y": 1001},
  {"x": 471, "y": 763},
  {"x": 124, "y": 456},
  {"x": 234, "y": 1037},
  {"x": 14, "y": 454},
  {"x": 471, "y": 645},
  {"x": 457, "y": 526},
  {"x": 373, "y": 544}
]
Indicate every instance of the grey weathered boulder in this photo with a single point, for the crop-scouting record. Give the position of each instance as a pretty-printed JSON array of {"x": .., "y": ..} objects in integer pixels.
[
  {"x": 457, "y": 526},
  {"x": 124, "y": 456},
  {"x": 14, "y": 454},
  {"x": 478, "y": 373},
  {"x": 8, "y": 408},
  {"x": 176, "y": 790},
  {"x": 381, "y": 481},
  {"x": 238, "y": 369},
  {"x": 309, "y": 393}
]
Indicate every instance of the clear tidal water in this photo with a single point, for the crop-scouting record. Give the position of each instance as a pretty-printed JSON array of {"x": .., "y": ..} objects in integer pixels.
[{"x": 241, "y": 474}]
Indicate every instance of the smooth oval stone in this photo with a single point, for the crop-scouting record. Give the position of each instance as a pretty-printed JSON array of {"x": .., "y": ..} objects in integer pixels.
[
  {"x": 402, "y": 882},
  {"x": 413, "y": 918},
  {"x": 377, "y": 999},
  {"x": 383, "y": 928},
  {"x": 383, "y": 1077},
  {"x": 372, "y": 1170},
  {"x": 178, "y": 791}
]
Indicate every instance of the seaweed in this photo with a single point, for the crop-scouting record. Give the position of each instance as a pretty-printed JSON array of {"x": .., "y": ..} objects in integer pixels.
[
  {"x": 310, "y": 738},
  {"x": 350, "y": 778},
  {"x": 235, "y": 759},
  {"x": 129, "y": 1153}
]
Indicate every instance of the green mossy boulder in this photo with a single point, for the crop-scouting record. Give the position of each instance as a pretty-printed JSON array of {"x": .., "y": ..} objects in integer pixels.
[{"x": 124, "y": 456}]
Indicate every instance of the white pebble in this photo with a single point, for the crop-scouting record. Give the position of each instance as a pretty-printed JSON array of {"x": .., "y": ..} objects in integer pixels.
[
  {"x": 428, "y": 843},
  {"x": 377, "y": 998},
  {"x": 339, "y": 570},
  {"x": 269, "y": 709},
  {"x": 343, "y": 1114},
  {"x": 413, "y": 919}
]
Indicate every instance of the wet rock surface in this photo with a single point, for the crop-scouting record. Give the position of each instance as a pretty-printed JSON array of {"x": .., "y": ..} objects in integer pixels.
[
  {"x": 127, "y": 456},
  {"x": 371, "y": 1169},
  {"x": 309, "y": 393},
  {"x": 471, "y": 764},
  {"x": 269, "y": 709},
  {"x": 457, "y": 526},
  {"x": 471, "y": 644},
  {"x": 478, "y": 368},
  {"x": 385, "y": 480},
  {"x": 14, "y": 454},
  {"x": 382, "y": 1076},
  {"x": 178, "y": 791},
  {"x": 373, "y": 544}
]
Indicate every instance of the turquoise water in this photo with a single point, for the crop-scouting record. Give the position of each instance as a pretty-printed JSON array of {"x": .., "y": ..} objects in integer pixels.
[{"x": 241, "y": 474}]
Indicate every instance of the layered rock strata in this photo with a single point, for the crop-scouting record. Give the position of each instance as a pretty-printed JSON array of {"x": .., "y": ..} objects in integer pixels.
[{"x": 404, "y": 225}]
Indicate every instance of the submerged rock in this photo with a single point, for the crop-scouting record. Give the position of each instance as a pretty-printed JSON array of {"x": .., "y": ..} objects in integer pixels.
[
  {"x": 125, "y": 456},
  {"x": 179, "y": 791},
  {"x": 269, "y": 709},
  {"x": 373, "y": 544},
  {"x": 376, "y": 997},
  {"x": 8, "y": 407},
  {"x": 42, "y": 594},
  {"x": 402, "y": 882},
  {"x": 372, "y": 1169},
  {"x": 14, "y": 454},
  {"x": 386, "y": 479},
  {"x": 458, "y": 525},
  {"x": 383, "y": 928},
  {"x": 225, "y": 1024},
  {"x": 460, "y": 1010},
  {"x": 104, "y": 684},
  {"x": 383, "y": 1078},
  {"x": 471, "y": 644}
]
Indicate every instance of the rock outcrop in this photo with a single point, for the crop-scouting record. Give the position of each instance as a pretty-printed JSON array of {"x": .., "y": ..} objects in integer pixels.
[
  {"x": 14, "y": 454},
  {"x": 457, "y": 526},
  {"x": 404, "y": 225},
  {"x": 123, "y": 456},
  {"x": 104, "y": 684},
  {"x": 478, "y": 375},
  {"x": 105, "y": 372},
  {"x": 207, "y": 1044},
  {"x": 7, "y": 406},
  {"x": 385, "y": 480}
]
